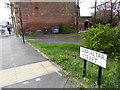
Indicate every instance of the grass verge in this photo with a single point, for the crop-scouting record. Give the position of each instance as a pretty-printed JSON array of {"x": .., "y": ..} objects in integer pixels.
[
  {"x": 32, "y": 34},
  {"x": 67, "y": 56},
  {"x": 73, "y": 38}
]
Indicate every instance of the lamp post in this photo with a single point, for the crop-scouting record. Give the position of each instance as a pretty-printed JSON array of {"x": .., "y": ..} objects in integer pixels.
[{"x": 21, "y": 22}]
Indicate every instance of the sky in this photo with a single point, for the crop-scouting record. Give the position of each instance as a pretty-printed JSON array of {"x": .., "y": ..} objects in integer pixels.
[
  {"x": 85, "y": 9},
  {"x": 4, "y": 12},
  {"x": 85, "y": 5}
]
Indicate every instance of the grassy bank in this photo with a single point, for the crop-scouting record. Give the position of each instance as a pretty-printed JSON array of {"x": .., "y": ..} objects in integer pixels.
[{"x": 67, "y": 56}]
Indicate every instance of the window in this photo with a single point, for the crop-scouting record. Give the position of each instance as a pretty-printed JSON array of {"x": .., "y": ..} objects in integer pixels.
[{"x": 36, "y": 8}]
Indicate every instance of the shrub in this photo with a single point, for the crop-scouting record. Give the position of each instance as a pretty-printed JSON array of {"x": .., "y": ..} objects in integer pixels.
[
  {"x": 103, "y": 37},
  {"x": 64, "y": 29}
]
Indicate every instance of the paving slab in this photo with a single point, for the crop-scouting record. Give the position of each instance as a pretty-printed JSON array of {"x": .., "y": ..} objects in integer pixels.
[
  {"x": 52, "y": 80},
  {"x": 25, "y": 72}
]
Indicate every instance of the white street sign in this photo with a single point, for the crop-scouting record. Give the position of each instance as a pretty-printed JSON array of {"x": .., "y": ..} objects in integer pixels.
[{"x": 93, "y": 56}]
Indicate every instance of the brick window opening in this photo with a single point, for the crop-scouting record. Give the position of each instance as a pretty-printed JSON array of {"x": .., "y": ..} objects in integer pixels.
[{"x": 36, "y": 8}]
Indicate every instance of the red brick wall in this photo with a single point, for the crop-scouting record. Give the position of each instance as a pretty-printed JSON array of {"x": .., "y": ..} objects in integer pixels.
[
  {"x": 37, "y": 24},
  {"x": 46, "y": 15}
]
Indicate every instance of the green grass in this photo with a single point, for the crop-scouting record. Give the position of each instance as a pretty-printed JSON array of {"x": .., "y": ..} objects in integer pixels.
[
  {"x": 75, "y": 37},
  {"x": 32, "y": 34},
  {"x": 67, "y": 56}
]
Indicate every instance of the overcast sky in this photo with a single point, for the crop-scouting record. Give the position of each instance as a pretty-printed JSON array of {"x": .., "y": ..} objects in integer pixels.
[
  {"x": 85, "y": 9},
  {"x": 4, "y": 12}
]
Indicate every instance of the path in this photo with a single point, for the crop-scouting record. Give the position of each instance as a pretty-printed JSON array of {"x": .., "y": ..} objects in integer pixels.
[{"x": 23, "y": 67}]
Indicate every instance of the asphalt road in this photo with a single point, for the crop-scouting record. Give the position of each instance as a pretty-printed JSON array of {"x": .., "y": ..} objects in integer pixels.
[{"x": 13, "y": 53}]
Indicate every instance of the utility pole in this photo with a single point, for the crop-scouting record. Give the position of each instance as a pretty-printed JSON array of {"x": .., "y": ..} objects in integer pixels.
[
  {"x": 95, "y": 9},
  {"x": 105, "y": 12},
  {"x": 111, "y": 12},
  {"x": 21, "y": 22},
  {"x": 118, "y": 10}
]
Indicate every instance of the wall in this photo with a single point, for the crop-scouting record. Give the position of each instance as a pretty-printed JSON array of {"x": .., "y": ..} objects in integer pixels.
[{"x": 36, "y": 15}]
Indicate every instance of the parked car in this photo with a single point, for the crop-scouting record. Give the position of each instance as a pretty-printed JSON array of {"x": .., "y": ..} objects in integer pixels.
[{"x": 2, "y": 30}]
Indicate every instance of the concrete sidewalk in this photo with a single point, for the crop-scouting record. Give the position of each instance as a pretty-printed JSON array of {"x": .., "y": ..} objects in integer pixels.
[{"x": 23, "y": 67}]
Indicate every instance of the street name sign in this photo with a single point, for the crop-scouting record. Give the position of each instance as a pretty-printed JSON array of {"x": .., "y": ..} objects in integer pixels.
[{"x": 93, "y": 56}]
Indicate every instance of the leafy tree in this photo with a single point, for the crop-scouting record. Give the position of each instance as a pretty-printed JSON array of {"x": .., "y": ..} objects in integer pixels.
[{"x": 108, "y": 12}]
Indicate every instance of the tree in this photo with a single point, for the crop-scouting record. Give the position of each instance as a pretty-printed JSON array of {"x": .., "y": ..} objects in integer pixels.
[{"x": 107, "y": 12}]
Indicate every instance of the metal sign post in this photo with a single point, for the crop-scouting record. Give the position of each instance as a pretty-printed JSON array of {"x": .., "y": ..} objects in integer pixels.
[
  {"x": 99, "y": 73},
  {"x": 99, "y": 76},
  {"x": 84, "y": 69}
]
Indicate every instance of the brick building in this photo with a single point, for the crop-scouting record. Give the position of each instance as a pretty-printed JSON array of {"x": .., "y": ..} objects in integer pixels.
[
  {"x": 84, "y": 22},
  {"x": 36, "y": 15}
]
